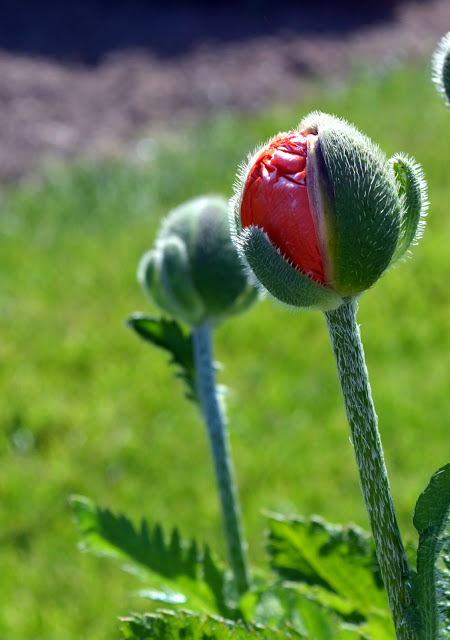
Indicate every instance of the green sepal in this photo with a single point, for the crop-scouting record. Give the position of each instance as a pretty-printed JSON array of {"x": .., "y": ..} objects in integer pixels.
[
  {"x": 216, "y": 269},
  {"x": 441, "y": 68},
  {"x": 165, "y": 275},
  {"x": 321, "y": 201},
  {"x": 365, "y": 203},
  {"x": 148, "y": 278},
  {"x": 176, "y": 279},
  {"x": 431, "y": 583},
  {"x": 412, "y": 190},
  {"x": 244, "y": 300},
  {"x": 280, "y": 278},
  {"x": 168, "y": 335}
]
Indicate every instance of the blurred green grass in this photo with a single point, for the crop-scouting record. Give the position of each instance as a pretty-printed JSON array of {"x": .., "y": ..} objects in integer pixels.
[{"x": 87, "y": 408}]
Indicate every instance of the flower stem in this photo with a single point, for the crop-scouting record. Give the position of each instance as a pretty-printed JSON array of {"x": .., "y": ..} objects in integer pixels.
[
  {"x": 218, "y": 438},
  {"x": 348, "y": 350}
]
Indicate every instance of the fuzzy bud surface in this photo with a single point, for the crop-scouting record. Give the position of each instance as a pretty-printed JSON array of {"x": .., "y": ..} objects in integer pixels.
[{"x": 194, "y": 272}]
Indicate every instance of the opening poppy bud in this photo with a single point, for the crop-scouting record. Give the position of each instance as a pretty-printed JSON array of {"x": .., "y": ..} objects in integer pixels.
[
  {"x": 319, "y": 213},
  {"x": 194, "y": 272}
]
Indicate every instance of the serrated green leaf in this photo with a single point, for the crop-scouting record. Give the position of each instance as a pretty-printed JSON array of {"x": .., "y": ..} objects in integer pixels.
[
  {"x": 169, "y": 335},
  {"x": 287, "y": 605},
  {"x": 185, "y": 625},
  {"x": 431, "y": 583},
  {"x": 175, "y": 573},
  {"x": 433, "y": 506},
  {"x": 377, "y": 625},
  {"x": 338, "y": 563}
]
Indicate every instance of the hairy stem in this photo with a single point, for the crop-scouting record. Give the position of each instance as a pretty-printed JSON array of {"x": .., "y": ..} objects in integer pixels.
[
  {"x": 347, "y": 347},
  {"x": 218, "y": 438}
]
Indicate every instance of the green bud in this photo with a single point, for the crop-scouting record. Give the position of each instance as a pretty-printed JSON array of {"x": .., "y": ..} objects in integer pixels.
[
  {"x": 319, "y": 213},
  {"x": 194, "y": 272},
  {"x": 441, "y": 68}
]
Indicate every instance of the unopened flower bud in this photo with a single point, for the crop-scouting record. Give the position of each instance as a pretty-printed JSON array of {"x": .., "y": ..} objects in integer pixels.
[
  {"x": 441, "y": 68},
  {"x": 194, "y": 272},
  {"x": 319, "y": 213}
]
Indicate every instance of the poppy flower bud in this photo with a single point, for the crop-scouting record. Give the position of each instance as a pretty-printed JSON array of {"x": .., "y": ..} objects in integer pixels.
[
  {"x": 194, "y": 272},
  {"x": 441, "y": 68},
  {"x": 319, "y": 213}
]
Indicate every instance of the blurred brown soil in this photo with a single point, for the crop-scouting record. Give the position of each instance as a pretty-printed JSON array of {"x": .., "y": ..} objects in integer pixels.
[{"x": 57, "y": 106}]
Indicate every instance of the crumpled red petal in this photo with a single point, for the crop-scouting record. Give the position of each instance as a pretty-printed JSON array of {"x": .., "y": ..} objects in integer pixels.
[{"x": 275, "y": 199}]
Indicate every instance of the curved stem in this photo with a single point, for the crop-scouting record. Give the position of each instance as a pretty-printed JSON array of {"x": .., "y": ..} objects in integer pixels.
[
  {"x": 215, "y": 423},
  {"x": 353, "y": 376}
]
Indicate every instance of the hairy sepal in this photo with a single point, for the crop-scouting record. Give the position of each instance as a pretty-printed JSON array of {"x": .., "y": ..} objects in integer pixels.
[
  {"x": 176, "y": 278},
  {"x": 412, "y": 191},
  {"x": 441, "y": 68},
  {"x": 365, "y": 201},
  {"x": 216, "y": 269},
  {"x": 280, "y": 278}
]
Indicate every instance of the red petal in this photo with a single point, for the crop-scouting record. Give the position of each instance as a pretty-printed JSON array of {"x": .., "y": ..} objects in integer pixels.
[{"x": 276, "y": 199}]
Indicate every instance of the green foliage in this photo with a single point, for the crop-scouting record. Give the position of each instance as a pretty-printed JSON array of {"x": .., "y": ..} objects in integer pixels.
[
  {"x": 176, "y": 574},
  {"x": 179, "y": 575},
  {"x": 338, "y": 562},
  {"x": 431, "y": 583},
  {"x": 331, "y": 591},
  {"x": 169, "y": 335},
  {"x": 184, "y": 625}
]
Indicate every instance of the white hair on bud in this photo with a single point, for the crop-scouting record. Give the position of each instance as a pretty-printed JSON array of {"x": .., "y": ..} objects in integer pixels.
[
  {"x": 412, "y": 176},
  {"x": 438, "y": 63}
]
